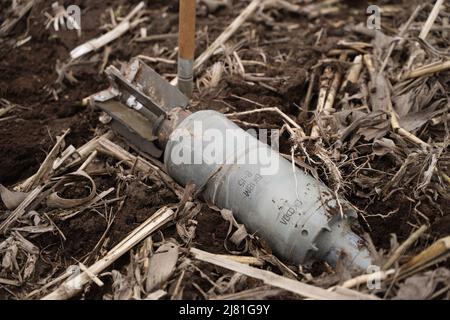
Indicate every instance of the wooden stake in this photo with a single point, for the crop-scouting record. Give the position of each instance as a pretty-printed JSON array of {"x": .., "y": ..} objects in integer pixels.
[
  {"x": 186, "y": 45},
  {"x": 225, "y": 35}
]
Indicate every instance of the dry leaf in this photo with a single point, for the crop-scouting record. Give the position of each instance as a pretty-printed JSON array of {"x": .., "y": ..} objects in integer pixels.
[
  {"x": 238, "y": 236},
  {"x": 9, "y": 261},
  {"x": 55, "y": 201},
  {"x": 11, "y": 199},
  {"x": 30, "y": 266},
  {"x": 421, "y": 286},
  {"x": 162, "y": 264},
  {"x": 383, "y": 146},
  {"x": 122, "y": 288}
]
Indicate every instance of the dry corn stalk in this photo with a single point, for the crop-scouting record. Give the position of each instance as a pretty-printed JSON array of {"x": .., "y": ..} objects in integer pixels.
[
  {"x": 73, "y": 286},
  {"x": 271, "y": 278},
  {"x": 431, "y": 18},
  {"x": 10, "y": 23},
  {"x": 429, "y": 69},
  {"x": 112, "y": 35}
]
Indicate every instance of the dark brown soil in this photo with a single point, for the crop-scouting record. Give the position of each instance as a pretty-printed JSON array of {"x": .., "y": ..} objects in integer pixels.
[{"x": 140, "y": 204}]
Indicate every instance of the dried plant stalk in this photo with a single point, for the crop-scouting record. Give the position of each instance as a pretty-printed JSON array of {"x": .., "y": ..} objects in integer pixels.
[
  {"x": 404, "y": 246},
  {"x": 249, "y": 260},
  {"x": 402, "y": 32},
  {"x": 20, "y": 210},
  {"x": 431, "y": 18},
  {"x": 355, "y": 71},
  {"x": 327, "y": 95},
  {"x": 228, "y": 32},
  {"x": 108, "y": 147},
  {"x": 362, "y": 279},
  {"x": 428, "y": 69},
  {"x": 106, "y": 38},
  {"x": 401, "y": 131},
  {"x": 438, "y": 251},
  {"x": 74, "y": 285},
  {"x": 9, "y": 23},
  {"x": 46, "y": 166},
  {"x": 271, "y": 278},
  {"x": 271, "y": 109}
]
